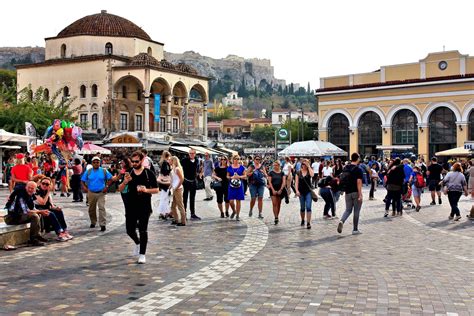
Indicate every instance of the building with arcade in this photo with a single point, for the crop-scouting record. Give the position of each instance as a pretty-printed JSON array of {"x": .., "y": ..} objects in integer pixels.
[
  {"x": 423, "y": 107},
  {"x": 119, "y": 79}
]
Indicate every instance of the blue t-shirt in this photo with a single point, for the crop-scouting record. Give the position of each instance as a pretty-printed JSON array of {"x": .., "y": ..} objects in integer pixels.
[
  {"x": 240, "y": 171},
  {"x": 408, "y": 172},
  {"x": 95, "y": 181}
]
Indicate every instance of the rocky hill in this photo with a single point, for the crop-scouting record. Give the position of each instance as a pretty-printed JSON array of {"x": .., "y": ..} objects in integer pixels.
[
  {"x": 10, "y": 56},
  {"x": 252, "y": 72}
]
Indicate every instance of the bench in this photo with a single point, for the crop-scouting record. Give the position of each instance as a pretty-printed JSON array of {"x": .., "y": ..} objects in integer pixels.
[{"x": 13, "y": 234}]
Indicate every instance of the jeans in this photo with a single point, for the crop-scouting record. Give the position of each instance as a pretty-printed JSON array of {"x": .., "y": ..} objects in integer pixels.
[
  {"x": 189, "y": 189},
  {"x": 134, "y": 218},
  {"x": 453, "y": 197},
  {"x": 305, "y": 202},
  {"x": 53, "y": 221},
  {"x": 352, "y": 204},
  {"x": 396, "y": 198},
  {"x": 328, "y": 198}
]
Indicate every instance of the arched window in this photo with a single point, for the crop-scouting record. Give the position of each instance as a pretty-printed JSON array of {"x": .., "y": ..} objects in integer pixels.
[
  {"x": 94, "y": 91},
  {"x": 63, "y": 51},
  {"x": 94, "y": 121},
  {"x": 109, "y": 49},
  {"x": 370, "y": 134},
  {"x": 46, "y": 94},
  {"x": 442, "y": 130},
  {"x": 83, "y": 91},
  {"x": 149, "y": 51},
  {"x": 124, "y": 92},
  {"x": 65, "y": 92},
  {"x": 338, "y": 131},
  {"x": 404, "y": 128},
  {"x": 471, "y": 125}
]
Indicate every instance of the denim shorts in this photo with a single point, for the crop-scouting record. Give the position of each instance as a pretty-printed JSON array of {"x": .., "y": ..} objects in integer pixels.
[
  {"x": 256, "y": 190},
  {"x": 416, "y": 191}
]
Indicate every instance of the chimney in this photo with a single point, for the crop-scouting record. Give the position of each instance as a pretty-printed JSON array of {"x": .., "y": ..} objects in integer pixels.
[{"x": 103, "y": 11}]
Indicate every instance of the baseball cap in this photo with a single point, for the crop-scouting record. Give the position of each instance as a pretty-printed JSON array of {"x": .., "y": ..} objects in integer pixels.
[
  {"x": 95, "y": 158},
  {"x": 20, "y": 156}
]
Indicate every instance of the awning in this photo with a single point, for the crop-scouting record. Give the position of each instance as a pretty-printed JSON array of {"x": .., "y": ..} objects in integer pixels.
[
  {"x": 455, "y": 152},
  {"x": 182, "y": 149},
  {"x": 123, "y": 145},
  {"x": 10, "y": 147},
  {"x": 157, "y": 147},
  {"x": 12, "y": 137},
  {"x": 228, "y": 151},
  {"x": 204, "y": 150}
]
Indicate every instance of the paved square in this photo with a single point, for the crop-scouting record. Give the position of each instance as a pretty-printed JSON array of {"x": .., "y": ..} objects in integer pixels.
[{"x": 419, "y": 263}]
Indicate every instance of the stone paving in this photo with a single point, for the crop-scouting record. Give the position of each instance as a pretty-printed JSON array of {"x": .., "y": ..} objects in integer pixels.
[{"x": 419, "y": 263}]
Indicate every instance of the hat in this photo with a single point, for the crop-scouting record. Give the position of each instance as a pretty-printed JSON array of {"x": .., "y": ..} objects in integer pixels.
[
  {"x": 20, "y": 156},
  {"x": 95, "y": 158}
]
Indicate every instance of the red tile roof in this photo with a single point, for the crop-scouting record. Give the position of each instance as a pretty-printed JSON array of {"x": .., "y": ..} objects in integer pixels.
[{"x": 235, "y": 122}]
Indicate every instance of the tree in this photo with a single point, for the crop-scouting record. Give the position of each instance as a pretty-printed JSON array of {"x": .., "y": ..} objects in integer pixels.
[
  {"x": 263, "y": 135},
  {"x": 295, "y": 128},
  {"x": 32, "y": 107},
  {"x": 291, "y": 89},
  {"x": 308, "y": 90},
  {"x": 286, "y": 104}
]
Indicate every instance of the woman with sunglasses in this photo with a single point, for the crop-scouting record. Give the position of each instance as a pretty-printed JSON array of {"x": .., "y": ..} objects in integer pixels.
[
  {"x": 53, "y": 214},
  {"x": 222, "y": 192},
  {"x": 303, "y": 190},
  {"x": 235, "y": 175},
  {"x": 277, "y": 188}
]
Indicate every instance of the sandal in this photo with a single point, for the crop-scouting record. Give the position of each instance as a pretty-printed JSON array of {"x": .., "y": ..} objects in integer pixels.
[{"x": 9, "y": 247}]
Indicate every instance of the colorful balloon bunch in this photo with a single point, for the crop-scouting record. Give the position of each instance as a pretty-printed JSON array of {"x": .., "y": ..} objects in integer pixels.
[{"x": 61, "y": 138}]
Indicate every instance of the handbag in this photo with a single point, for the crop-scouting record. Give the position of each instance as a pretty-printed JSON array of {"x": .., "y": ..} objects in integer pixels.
[
  {"x": 314, "y": 194},
  {"x": 216, "y": 185}
]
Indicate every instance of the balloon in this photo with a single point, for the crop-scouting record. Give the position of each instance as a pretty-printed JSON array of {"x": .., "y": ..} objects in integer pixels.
[
  {"x": 41, "y": 148},
  {"x": 58, "y": 154},
  {"x": 75, "y": 132},
  {"x": 67, "y": 134},
  {"x": 60, "y": 133},
  {"x": 79, "y": 142},
  {"x": 71, "y": 125},
  {"x": 56, "y": 124},
  {"x": 48, "y": 132},
  {"x": 63, "y": 124}
]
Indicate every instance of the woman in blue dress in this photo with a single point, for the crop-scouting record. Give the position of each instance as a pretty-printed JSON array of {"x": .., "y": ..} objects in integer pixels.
[{"x": 235, "y": 174}]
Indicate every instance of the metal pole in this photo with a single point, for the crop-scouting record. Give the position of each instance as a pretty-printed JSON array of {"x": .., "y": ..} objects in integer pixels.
[
  {"x": 275, "y": 144},
  {"x": 302, "y": 124}
]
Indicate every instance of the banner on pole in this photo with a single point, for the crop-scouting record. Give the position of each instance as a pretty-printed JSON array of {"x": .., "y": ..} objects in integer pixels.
[{"x": 157, "y": 107}]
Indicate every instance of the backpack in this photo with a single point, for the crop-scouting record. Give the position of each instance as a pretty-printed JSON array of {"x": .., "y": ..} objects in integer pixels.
[
  {"x": 419, "y": 181},
  {"x": 345, "y": 177}
]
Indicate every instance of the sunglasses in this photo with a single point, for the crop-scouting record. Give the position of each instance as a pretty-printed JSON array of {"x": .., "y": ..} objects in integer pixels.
[
  {"x": 44, "y": 183},
  {"x": 135, "y": 161}
]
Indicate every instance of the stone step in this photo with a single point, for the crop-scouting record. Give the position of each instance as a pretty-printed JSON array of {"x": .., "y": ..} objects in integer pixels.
[{"x": 13, "y": 234}]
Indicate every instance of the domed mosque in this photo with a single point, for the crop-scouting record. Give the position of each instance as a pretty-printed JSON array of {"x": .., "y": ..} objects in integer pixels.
[{"x": 120, "y": 80}]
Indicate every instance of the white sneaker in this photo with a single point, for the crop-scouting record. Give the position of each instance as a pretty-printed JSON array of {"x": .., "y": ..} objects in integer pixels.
[
  {"x": 136, "y": 250},
  {"x": 356, "y": 232},
  {"x": 141, "y": 259}
]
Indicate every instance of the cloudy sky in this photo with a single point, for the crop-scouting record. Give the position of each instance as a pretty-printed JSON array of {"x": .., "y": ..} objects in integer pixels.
[{"x": 305, "y": 40}]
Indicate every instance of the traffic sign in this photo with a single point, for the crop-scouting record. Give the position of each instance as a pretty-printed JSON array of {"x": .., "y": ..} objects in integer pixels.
[{"x": 283, "y": 133}]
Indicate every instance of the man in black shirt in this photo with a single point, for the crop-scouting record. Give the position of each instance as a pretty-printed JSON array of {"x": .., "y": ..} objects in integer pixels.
[
  {"x": 190, "y": 170},
  {"x": 141, "y": 184},
  {"x": 353, "y": 190},
  {"x": 434, "y": 178}
]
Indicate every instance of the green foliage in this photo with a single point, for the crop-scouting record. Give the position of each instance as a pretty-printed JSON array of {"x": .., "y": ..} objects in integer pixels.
[
  {"x": 263, "y": 135},
  {"x": 296, "y": 129},
  {"x": 224, "y": 114},
  {"x": 32, "y": 107}
]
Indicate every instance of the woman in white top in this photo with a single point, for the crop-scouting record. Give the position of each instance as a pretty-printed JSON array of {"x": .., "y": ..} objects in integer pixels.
[
  {"x": 327, "y": 170},
  {"x": 177, "y": 179},
  {"x": 288, "y": 172}
]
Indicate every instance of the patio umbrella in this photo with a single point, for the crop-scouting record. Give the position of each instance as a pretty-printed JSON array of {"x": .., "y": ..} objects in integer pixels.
[
  {"x": 312, "y": 148},
  {"x": 89, "y": 149},
  {"x": 455, "y": 152}
]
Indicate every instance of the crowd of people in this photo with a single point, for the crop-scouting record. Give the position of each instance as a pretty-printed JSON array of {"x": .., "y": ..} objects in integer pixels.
[{"x": 33, "y": 184}]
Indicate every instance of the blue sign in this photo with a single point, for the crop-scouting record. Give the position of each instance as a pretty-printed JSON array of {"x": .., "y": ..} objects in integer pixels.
[{"x": 157, "y": 107}]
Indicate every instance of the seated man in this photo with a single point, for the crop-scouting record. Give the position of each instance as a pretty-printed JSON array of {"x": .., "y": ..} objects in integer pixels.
[
  {"x": 55, "y": 218},
  {"x": 20, "y": 208}
]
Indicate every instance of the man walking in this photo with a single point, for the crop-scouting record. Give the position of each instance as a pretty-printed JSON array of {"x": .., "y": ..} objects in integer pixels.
[
  {"x": 190, "y": 170},
  {"x": 206, "y": 172},
  {"x": 256, "y": 174},
  {"x": 434, "y": 178},
  {"x": 315, "y": 165},
  {"x": 95, "y": 182},
  {"x": 351, "y": 181}
]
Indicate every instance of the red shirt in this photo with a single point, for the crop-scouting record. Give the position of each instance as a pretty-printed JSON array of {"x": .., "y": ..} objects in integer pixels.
[
  {"x": 34, "y": 168},
  {"x": 49, "y": 167},
  {"x": 21, "y": 172}
]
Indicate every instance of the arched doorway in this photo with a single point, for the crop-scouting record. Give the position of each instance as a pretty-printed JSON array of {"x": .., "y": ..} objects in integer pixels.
[
  {"x": 404, "y": 129},
  {"x": 162, "y": 88},
  {"x": 471, "y": 125},
  {"x": 442, "y": 125},
  {"x": 338, "y": 131},
  {"x": 370, "y": 134}
]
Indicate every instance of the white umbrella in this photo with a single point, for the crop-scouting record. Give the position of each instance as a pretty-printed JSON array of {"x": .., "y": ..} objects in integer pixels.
[
  {"x": 312, "y": 148},
  {"x": 12, "y": 137}
]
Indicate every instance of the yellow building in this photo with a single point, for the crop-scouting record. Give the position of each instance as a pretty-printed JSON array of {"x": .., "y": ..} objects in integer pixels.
[
  {"x": 427, "y": 105},
  {"x": 115, "y": 71},
  {"x": 260, "y": 122}
]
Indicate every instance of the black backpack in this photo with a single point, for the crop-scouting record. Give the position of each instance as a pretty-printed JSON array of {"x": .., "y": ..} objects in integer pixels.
[{"x": 345, "y": 177}]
